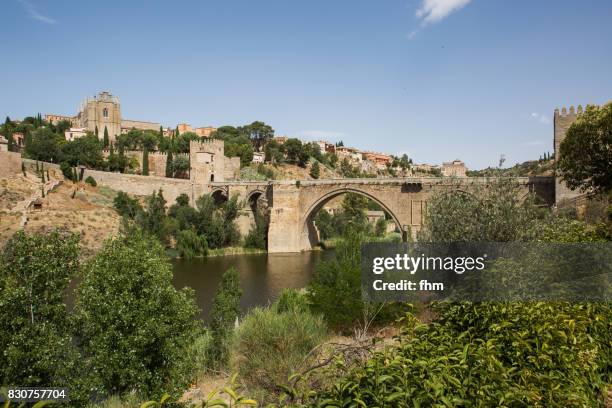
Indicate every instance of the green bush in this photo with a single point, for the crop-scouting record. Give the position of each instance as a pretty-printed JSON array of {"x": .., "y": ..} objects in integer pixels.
[
  {"x": 134, "y": 327},
  {"x": 127, "y": 206},
  {"x": 224, "y": 313},
  {"x": 291, "y": 300},
  {"x": 335, "y": 290},
  {"x": 190, "y": 244},
  {"x": 494, "y": 354},
  {"x": 271, "y": 344},
  {"x": 91, "y": 181},
  {"x": 66, "y": 169}
]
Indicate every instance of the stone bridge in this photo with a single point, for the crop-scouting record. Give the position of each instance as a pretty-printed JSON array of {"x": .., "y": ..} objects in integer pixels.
[{"x": 294, "y": 204}]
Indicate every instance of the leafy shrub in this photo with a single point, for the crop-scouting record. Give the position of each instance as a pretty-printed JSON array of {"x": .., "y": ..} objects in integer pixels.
[
  {"x": 127, "y": 206},
  {"x": 496, "y": 354},
  {"x": 190, "y": 244},
  {"x": 36, "y": 345},
  {"x": 135, "y": 328},
  {"x": 224, "y": 313},
  {"x": 335, "y": 290},
  {"x": 291, "y": 300},
  {"x": 271, "y": 344},
  {"x": 91, "y": 181},
  {"x": 67, "y": 170}
]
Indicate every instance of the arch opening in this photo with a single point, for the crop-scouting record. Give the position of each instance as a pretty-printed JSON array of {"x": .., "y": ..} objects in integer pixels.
[
  {"x": 356, "y": 206},
  {"x": 219, "y": 196}
]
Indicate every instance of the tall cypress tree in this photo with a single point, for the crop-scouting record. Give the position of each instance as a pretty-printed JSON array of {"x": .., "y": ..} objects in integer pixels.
[
  {"x": 169, "y": 164},
  {"x": 96, "y": 131},
  {"x": 145, "y": 161},
  {"x": 9, "y": 137},
  {"x": 105, "y": 137}
]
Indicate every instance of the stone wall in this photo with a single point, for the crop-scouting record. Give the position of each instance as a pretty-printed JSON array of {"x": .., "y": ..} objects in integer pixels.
[
  {"x": 146, "y": 185},
  {"x": 157, "y": 160},
  {"x": 10, "y": 163}
]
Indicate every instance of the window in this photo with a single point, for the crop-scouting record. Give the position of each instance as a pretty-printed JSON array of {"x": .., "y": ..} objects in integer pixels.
[
  {"x": 105, "y": 112},
  {"x": 212, "y": 177}
]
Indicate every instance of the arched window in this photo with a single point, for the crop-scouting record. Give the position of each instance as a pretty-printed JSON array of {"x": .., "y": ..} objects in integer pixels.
[
  {"x": 212, "y": 177},
  {"x": 105, "y": 112}
]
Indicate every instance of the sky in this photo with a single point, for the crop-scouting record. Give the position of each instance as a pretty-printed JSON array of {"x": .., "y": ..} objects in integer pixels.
[{"x": 436, "y": 79}]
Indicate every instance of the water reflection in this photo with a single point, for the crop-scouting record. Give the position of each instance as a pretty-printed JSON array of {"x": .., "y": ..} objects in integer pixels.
[{"x": 262, "y": 276}]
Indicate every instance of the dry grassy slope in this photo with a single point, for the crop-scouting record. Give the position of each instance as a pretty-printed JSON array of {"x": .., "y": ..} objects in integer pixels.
[
  {"x": 89, "y": 213},
  {"x": 291, "y": 172}
]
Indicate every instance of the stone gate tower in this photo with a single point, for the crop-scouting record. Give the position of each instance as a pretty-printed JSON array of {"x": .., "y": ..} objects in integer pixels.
[{"x": 562, "y": 122}]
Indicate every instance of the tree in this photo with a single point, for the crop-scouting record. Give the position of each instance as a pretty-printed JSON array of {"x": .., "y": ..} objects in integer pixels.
[
  {"x": 335, "y": 291},
  {"x": 169, "y": 172},
  {"x": 145, "y": 162},
  {"x": 9, "y": 138},
  {"x": 86, "y": 150},
  {"x": 106, "y": 139},
  {"x": 96, "y": 131},
  {"x": 154, "y": 220},
  {"x": 180, "y": 166},
  {"x": 293, "y": 149},
  {"x": 45, "y": 145},
  {"x": 224, "y": 312},
  {"x": 134, "y": 326},
  {"x": 37, "y": 349},
  {"x": 259, "y": 133},
  {"x": 127, "y": 206},
  {"x": 315, "y": 171},
  {"x": 585, "y": 160}
]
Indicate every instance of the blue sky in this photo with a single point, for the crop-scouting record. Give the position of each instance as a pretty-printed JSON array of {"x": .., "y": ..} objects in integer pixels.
[{"x": 437, "y": 79}]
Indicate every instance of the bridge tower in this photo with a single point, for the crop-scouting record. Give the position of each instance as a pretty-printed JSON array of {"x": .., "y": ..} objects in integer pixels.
[{"x": 562, "y": 122}]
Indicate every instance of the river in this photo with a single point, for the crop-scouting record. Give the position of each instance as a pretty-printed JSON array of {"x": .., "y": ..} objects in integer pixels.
[{"x": 262, "y": 276}]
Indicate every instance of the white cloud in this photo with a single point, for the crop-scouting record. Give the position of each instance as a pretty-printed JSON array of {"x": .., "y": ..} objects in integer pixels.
[
  {"x": 322, "y": 134},
  {"x": 35, "y": 14},
  {"x": 433, "y": 11},
  {"x": 543, "y": 119},
  {"x": 411, "y": 34}
]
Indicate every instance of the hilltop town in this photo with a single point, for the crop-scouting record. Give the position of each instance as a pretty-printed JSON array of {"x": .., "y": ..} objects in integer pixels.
[{"x": 255, "y": 144}]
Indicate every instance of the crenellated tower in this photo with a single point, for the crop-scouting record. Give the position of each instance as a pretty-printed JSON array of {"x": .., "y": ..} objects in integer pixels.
[{"x": 562, "y": 121}]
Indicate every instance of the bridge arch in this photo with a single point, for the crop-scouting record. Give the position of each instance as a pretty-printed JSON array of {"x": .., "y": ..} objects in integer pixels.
[{"x": 308, "y": 227}]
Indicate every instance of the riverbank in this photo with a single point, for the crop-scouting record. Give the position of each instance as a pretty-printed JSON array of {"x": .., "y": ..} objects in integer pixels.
[{"x": 333, "y": 242}]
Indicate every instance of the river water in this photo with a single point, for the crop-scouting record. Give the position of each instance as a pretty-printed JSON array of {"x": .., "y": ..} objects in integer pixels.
[{"x": 262, "y": 276}]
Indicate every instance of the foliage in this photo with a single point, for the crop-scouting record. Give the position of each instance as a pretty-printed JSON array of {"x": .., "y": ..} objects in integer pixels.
[
  {"x": 134, "y": 326},
  {"x": 66, "y": 169},
  {"x": 182, "y": 141},
  {"x": 37, "y": 348},
  {"x": 273, "y": 152},
  {"x": 315, "y": 171},
  {"x": 237, "y": 143},
  {"x": 45, "y": 145},
  {"x": 492, "y": 213},
  {"x": 153, "y": 219},
  {"x": 585, "y": 160},
  {"x": 258, "y": 132},
  {"x": 258, "y": 235},
  {"x": 381, "y": 227},
  {"x": 494, "y": 354},
  {"x": 190, "y": 244},
  {"x": 127, "y": 206},
  {"x": 272, "y": 343},
  {"x": 180, "y": 166},
  {"x": 296, "y": 152},
  {"x": 223, "y": 315},
  {"x": 91, "y": 181},
  {"x": 335, "y": 290},
  {"x": 169, "y": 163},
  {"x": 145, "y": 162}
]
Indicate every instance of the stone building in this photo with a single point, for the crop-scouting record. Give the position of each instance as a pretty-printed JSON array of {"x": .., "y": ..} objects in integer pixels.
[
  {"x": 562, "y": 121},
  {"x": 102, "y": 111},
  {"x": 456, "y": 168},
  {"x": 380, "y": 160},
  {"x": 209, "y": 164},
  {"x": 75, "y": 133}
]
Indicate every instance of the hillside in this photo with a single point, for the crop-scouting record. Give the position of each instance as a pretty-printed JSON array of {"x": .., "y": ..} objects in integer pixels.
[
  {"x": 78, "y": 208},
  {"x": 526, "y": 169},
  {"x": 283, "y": 171}
]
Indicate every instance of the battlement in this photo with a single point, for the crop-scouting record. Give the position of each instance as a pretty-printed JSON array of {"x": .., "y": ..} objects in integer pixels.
[
  {"x": 568, "y": 112},
  {"x": 106, "y": 152}
]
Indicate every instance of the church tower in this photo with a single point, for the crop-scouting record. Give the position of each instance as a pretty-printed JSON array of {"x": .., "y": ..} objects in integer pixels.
[{"x": 101, "y": 111}]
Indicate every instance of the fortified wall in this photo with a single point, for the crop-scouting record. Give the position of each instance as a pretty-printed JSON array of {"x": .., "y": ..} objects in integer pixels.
[
  {"x": 562, "y": 122},
  {"x": 157, "y": 160}
]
